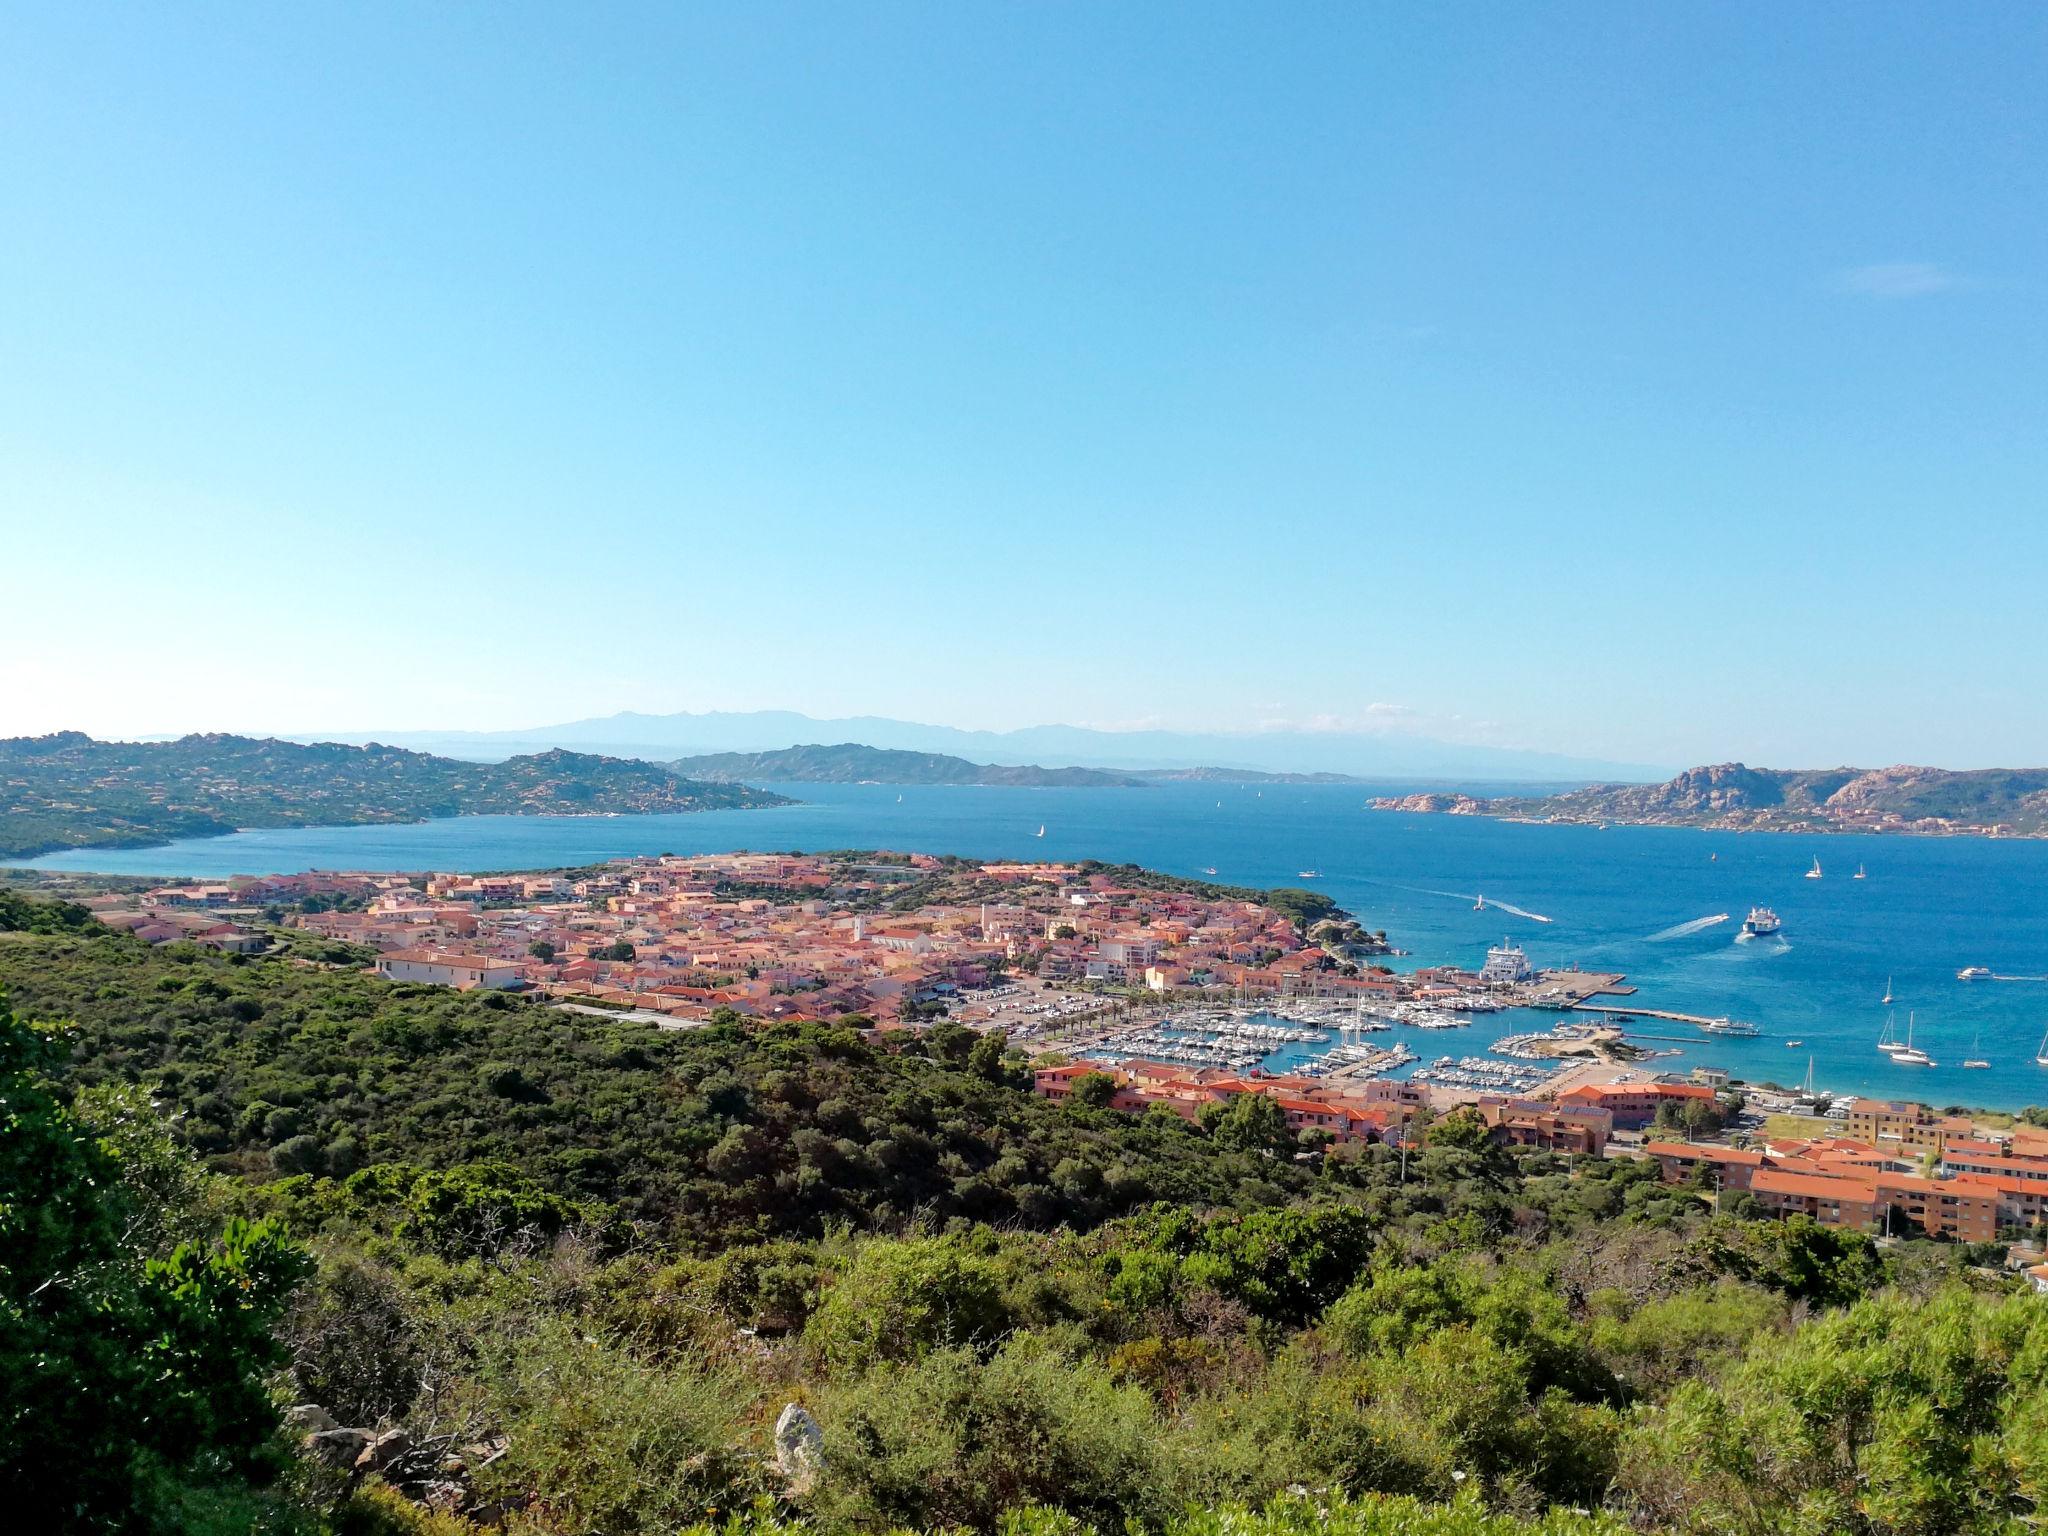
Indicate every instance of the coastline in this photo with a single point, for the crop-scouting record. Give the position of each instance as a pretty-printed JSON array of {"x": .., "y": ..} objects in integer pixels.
[{"x": 1994, "y": 832}]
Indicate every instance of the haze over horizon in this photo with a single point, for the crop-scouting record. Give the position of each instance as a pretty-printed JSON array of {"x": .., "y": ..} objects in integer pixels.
[{"x": 1644, "y": 386}]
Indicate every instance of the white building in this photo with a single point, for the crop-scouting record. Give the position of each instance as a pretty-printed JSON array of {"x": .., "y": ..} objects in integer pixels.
[{"x": 444, "y": 970}]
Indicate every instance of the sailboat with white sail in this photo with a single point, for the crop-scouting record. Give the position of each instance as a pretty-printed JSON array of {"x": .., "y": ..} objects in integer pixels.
[
  {"x": 1886, "y": 1000},
  {"x": 1974, "y": 1060},
  {"x": 1814, "y": 873},
  {"x": 1909, "y": 1055},
  {"x": 1887, "y": 1038},
  {"x": 2041, "y": 1051}
]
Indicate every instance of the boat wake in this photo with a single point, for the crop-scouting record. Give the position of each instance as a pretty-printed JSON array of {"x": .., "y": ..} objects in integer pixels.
[
  {"x": 1481, "y": 902},
  {"x": 1682, "y": 930},
  {"x": 1534, "y": 917}
]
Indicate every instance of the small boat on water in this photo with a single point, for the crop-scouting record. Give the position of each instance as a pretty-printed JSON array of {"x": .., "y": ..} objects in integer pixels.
[
  {"x": 1887, "y": 1039},
  {"x": 1859, "y": 873},
  {"x": 1974, "y": 973},
  {"x": 1727, "y": 1026},
  {"x": 1814, "y": 873},
  {"x": 1887, "y": 998},
  {"x": 1308, "y": 874},
  {"x": 1974, "y": 1059},
  {"x": 1208, "y": 869},
  {"x": 1790, "y": 1043},
  {"x": 2041, "y": 1052},
  {"x": 1479, "y": 905},
  {"x": 1041, "y": 829}
]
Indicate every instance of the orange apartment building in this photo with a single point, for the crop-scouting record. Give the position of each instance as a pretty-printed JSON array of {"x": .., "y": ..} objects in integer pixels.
[
  {"x": 1634, "y": 1105},
  {"x": 1837, "y": 1186}
]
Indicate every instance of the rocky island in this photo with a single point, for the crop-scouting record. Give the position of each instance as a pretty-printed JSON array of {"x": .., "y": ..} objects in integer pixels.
[{"x": 1937, "y": 802}]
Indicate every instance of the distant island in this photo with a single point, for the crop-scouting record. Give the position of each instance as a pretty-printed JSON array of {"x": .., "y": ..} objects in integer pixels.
[
  {"x": 1238, "y": 776},
  {"x": 69, "y": 791},
  {"x": 1929, "y": 802},
  {"x": 851, "y": 763}
]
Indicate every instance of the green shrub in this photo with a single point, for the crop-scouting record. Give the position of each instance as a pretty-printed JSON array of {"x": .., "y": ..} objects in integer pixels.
[
  {"x": 607, "y": 1443},
  {"x": 898, "y": 1299},
  {"x": 953, "y": 1440}
]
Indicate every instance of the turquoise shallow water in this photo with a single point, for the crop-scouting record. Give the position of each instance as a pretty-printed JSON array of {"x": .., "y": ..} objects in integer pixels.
[{"x": 1928, "y": 908}]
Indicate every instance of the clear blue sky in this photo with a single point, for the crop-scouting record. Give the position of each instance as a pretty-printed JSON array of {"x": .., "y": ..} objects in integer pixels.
[{"x": 1662, "y": 382}]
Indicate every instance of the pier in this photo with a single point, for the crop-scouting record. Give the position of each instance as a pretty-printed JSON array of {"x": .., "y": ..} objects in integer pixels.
[{"x": 1648, "y": 1013}]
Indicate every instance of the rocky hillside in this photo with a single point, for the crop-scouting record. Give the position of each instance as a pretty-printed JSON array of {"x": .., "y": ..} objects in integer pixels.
[
  {"x": 69, "y": 791},
  {"x": 1999, "y": 802},
  {"x": 851, "y": 763}
]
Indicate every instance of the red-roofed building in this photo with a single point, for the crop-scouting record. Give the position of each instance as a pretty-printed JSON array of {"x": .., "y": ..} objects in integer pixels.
[{"x": 1635, "y": 1105}]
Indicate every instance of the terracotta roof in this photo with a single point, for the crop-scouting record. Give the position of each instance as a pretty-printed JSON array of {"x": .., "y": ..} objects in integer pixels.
[{"x": 1776, "y": 1181}]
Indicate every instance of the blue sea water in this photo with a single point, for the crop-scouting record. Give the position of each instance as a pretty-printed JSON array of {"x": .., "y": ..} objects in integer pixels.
[{"x": 1613, "y": 898}]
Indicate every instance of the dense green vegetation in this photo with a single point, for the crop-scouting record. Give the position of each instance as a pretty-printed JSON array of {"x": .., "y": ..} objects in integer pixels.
[
  {"x": 850, "y": 763},
  {"x": 586, "y": 1266},
  {"x": 70, "y": 791},
  {"x": 275, "y": 1068}
]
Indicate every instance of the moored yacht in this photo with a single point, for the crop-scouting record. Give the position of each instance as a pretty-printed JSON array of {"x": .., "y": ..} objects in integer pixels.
[
  {"x": 1728, "y": 1026},
  {"x": 1909, "y": 1055}
]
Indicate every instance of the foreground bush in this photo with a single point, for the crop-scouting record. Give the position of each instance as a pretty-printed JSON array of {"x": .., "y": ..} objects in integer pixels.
[
  {"x": 1894, "y": 1416},
  {"x": 1291, "y": 1516}
]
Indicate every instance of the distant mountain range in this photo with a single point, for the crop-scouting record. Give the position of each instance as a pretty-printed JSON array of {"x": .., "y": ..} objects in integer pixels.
[
  {"x": 851, "y": 763},
  {"x": 1994, "y": 802},
  {"x": 854, "y": 763},
  {"x": 70, "y": 791},
  {"x": 1390, "y": 755}
]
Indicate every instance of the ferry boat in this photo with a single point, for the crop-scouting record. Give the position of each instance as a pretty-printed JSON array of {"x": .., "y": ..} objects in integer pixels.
[
  {"x": 1761, "y": 923},
  {"x": 1814, "y": 873},
  {"x": 1973, "y": 973}
]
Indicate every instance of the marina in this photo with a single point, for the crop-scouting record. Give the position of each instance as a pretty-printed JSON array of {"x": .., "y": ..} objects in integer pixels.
[{"x": 1936, "y": 906}]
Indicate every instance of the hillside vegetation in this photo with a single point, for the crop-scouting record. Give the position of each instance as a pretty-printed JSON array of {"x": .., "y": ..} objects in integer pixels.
[
  {"x": 561, "y": 1276},
  {"x": 70, "y": 791}
]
